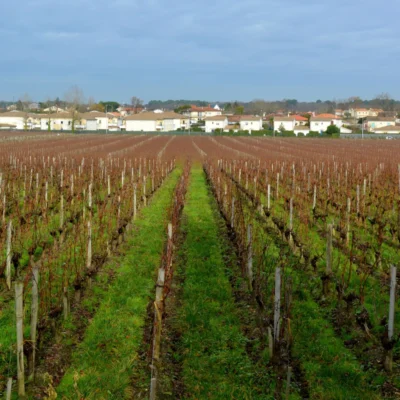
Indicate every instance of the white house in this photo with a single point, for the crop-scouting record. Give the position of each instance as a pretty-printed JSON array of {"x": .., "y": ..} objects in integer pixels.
[
  {"x": 94, "y": 121},
  {"x": 305, "y": 130},
  {"x": 285, "y": 123},
  {"x": 197, "y": 114},
  {"x": 18, "y": 119},
  {"x": 320, "y": 124},
  {"x": 151, "y": 122},
  {"x": 57, "y": 121},
  {"x": 388, "y": 129},
  {"x": 372, "y": 123},
  {"x": 250, "y": 123},
  {"x": 216, "y": 122}
]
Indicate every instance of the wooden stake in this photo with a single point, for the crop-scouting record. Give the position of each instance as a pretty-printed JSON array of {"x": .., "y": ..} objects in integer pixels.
[
  {"x": 19, "y": 309},
  {"x": 277, "y": 304},
  {"x": 233, "y": 213},
  {"x": 250, "y": 256},
  {"x": 34, "y": 316},
  {"x": 329, "y": 249},
  {"x": 9, "y": 388},
  {"x": 89, "y": 247},
  {"x": 9, "y": 255}
]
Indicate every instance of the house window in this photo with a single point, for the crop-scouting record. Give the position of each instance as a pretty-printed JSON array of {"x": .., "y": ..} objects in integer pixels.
[
  {"x": 69, "y": 122},
  {"x": 62, "y": 122}
]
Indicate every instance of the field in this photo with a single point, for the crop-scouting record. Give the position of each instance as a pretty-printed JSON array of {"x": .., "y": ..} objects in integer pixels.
[{"x": 193, "y": 267}]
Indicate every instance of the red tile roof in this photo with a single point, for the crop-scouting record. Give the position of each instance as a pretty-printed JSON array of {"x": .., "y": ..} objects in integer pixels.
[{"x": 299, "y": 118}]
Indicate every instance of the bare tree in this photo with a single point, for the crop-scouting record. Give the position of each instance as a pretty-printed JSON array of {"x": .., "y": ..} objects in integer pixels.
[
  {"x": 385, "y": 101},
  {"x": 136, "y": 103},
  {"x": 75, "y": 98}
]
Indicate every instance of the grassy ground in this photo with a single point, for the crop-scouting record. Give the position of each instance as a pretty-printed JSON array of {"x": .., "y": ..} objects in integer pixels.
[
  {"x": 212, "y": 347},
  {"x": 102, "y": 364}
]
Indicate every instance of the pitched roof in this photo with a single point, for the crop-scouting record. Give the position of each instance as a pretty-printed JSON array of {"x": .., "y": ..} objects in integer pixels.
[
  {"x": 284, "y": 118},
  {"x": 17, "y": 114},
  {"x": 319, "y": 118},
  {"x": 93, "y": 115},
  {"x": 216, "y": 118},
  {"x": 249, "y": 118},
  {"x": 209, "y": 108},
  {"x": 383, "y": 119},
  {"x": 152, "y": 116},
  {"x": 299, "y": 118},
  {"x": 326, "y": 115}
]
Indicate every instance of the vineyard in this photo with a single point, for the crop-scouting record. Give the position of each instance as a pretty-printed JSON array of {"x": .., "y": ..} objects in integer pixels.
[{"x": 178, "y": 267}]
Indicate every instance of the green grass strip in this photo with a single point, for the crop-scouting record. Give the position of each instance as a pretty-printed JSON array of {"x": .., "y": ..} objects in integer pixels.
[
  {"x": 215, "y": 363},
  {"x": 102, "y": 364},
  {"x": 332, "y": 371}
]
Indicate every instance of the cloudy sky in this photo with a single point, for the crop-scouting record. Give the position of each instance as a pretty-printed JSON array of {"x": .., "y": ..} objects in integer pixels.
[{"x": 216, "y": 50}]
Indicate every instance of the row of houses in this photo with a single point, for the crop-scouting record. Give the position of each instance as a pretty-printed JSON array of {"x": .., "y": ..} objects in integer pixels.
[
  {"x": 94, "y": 121},
  {"x": 60, "y": 121},
  {"x": 320, "y": 123},
  {"x": 233, "y": 123}
]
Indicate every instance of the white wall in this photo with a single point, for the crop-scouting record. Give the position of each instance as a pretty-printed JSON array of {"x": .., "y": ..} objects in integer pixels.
[
  {"x": 379, "y": 124},
  {"x": 211, "y": 126},
  {"x": 319, "y": 126},
  {"x": 303, "y": 131},
  {"x": 102, "y": 123},
  {"x": 287, "y": 125},
  {"x": 18, "y": 121},
  {"x": 138, "y": 126},
  {"x": 251, "y": 125}
]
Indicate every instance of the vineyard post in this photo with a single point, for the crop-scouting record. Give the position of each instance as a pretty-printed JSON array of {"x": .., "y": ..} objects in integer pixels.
[
  {"x": 108, "y": 186},
  {"x": 144, "y": 190},
  {"x": 4, "y": 209},
  {"x": 314, "y": 198},
  {"x": 250, "y": 256},
  {"x": 134, "y": 201},
  {"x": 61, "y": 211},
  {"x": 389, "y": 353},
  {"x": 9, "y": 255},
  {"x": 291, "y": 242},
  {"x": 358, "y": 200},
  {"x": 277, "y": 304},
  {"x": 65, "y": 303},
  {"x": 277, "y": 186},
  {"x": 89, "y": 247},
  {"x": 233, "y": 213},
  {"x": 348, "y": 221},
  {"x": 289, "y": 377},
  {"x": 269, "y": 196},
  {"x": 19, "y": 310},
  {"x": 328, "y": 269},
  {"x": 34, "y": 315},
  {"x": 9, "y": 388}
]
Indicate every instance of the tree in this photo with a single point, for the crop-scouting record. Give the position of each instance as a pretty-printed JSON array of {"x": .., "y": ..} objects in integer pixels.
[
  {"x": 385, "y": 101},
  {"x": 97, "y": 107},
  {"x": 75, "y": 98},
  {"x": 25, "y": 100},
  {"x": 239, "y": 110},
  {"x": 228, "y": 107},
  {"x": 332, "y": 129},
  {"x": 110, "y": 106},
  {"x": 136, "y": 102},
  {"x": 182, "y": 109}
]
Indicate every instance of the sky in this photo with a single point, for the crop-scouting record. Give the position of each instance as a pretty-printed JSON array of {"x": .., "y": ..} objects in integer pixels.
[{"x": 208, "y": 50}]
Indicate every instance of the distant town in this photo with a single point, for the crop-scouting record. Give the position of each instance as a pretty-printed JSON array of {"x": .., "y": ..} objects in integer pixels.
[{"x": 287, "y": 117}]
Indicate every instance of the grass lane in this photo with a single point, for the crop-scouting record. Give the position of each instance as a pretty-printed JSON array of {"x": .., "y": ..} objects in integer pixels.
[
  {"x": 102, "y": 364},
  {"x": 213, "y": 355}
]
